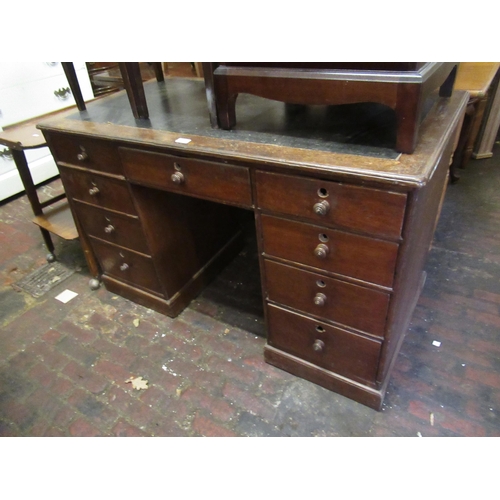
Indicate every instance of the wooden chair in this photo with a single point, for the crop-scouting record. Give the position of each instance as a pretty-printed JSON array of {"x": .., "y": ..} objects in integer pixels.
[{"x": 52, "y": 215}]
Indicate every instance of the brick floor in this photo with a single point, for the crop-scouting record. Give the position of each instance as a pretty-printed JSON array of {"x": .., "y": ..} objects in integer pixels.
[{"x": 63, "y": 367}]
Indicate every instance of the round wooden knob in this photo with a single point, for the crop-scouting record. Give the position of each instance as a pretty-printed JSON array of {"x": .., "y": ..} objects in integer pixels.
[
  {"x": 93, "y": 191},
  {"x": 318, "y": 345},
  {"x": 124, "y": 266},
  {"x": 321, "y": 208},
  {"x": 82, "y": 156},
  {"x": 109, "y": 229},
  {"x": 320, "y": 299},
  {"x": 177, "y": 178},
  {"x": 321, "y": 251}
]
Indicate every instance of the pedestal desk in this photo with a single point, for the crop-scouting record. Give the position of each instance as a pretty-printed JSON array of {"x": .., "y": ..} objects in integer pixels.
[{"x": 343, "y": 222}]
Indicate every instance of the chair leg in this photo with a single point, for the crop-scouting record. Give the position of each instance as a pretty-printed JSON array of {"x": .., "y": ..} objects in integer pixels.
[
  {"x": 132, "y": 80},
  {"x": 74, "y": 85},
  {"x": 51, "y": 256},
  {"x": 160, "y": 77},
  {"x": 30, "y": 188}
]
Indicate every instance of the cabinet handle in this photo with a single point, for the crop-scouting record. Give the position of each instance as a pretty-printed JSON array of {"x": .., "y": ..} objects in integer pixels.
[
  {"x": 320, "y": 299},
  {"x": 63, "y": 93},
  {"x": 109, "y": 229},
  {"x": 318, "y": 345},
  {"x": 93, "y": 191},
  {"x": 321, "y": 208},
  {"x": 82, "y": 156},
  {"x": 124, "y": 266},
  {"x": 6, "y": 153},
  {"x": 321, "y": 251},
  {"x": 178, "y": 178}
]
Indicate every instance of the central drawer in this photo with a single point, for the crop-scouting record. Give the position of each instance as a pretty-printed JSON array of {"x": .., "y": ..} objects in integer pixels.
[
  {"x": 213, "y": 181},
  {"x": 330, "y": 250},
  {"x": 351, "y": 305}
]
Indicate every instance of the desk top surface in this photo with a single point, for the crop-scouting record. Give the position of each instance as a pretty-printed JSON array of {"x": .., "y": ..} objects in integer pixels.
[{"x": 354, "y": 139}]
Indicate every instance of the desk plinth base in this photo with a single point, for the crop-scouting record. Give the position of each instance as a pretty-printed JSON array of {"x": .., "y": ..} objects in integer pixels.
[
  {"x": 363, "y": 394},
  {"x": 173, "y": 306}
]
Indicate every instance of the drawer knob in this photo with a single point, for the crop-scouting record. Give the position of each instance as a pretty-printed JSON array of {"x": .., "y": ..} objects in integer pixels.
[
  {"x": 109, "y": 229},
  {"x": 320, "y": 299},
  {"x": 178, "y": 178},
  {"x": 82, "y": 156},
  {"x": 318, "y": 345},
  {"x": 321, "y": 251},
  {"x": 321, "y": 208},
  {"x": 124, "y": 266},
  {"x": 93, "y": 191}
]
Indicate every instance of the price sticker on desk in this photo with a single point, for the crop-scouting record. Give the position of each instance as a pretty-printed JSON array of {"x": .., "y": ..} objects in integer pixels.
[{"x": 183, "y": 140}]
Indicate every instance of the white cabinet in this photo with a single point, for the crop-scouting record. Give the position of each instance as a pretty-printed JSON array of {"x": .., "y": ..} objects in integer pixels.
[{"x": 28, "y": 90}]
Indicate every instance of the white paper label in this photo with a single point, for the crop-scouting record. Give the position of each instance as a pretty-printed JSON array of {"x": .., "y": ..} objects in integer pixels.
[
  {"x": 66, "y": 296},
  {"x": 182, "y": 140}
]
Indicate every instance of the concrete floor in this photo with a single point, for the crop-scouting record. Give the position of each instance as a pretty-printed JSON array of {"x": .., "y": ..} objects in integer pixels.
[{"x": 63, "y": 367}]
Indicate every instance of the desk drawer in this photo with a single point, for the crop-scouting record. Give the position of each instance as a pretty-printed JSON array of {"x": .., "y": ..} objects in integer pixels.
[
  {"x": 213, "y": 181},
  {"x": 366, "y": 210},
  {"x": 332, "y": 348},
  {"x": 335, "y": 251},
  {"x": 351, "y": 305},
  {"x": 122, "y": 230},
  {"x": 124, "y": 265},
  {"x": 97, "y": 190},
  {"x": 86, "y": 153}
]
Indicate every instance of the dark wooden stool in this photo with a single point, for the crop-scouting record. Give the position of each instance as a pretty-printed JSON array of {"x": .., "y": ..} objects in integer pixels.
[{"x": 401, "y": 86}]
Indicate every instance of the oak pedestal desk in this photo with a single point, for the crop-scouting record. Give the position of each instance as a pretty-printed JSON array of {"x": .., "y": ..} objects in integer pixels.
[{"x": 343, "y": 222}]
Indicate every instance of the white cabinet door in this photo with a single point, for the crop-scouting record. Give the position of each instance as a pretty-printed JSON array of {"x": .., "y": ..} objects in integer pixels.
[{"x": 27, "y": 91}]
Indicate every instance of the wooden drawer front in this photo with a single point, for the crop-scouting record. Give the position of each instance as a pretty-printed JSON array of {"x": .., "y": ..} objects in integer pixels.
[
  {"x": 331, "y": 299},
  {"x": 356, "y": 208},
  {"x": 135, "y": 269},
  {"x": 352, "y": 255},
  {"x": 214, "y": 181},
  {"x": 86, "y": 153},
  {"x": 122, "y": 230},
  {"x": 334, "y": 349},
  {"x": 97, "y": 190}
]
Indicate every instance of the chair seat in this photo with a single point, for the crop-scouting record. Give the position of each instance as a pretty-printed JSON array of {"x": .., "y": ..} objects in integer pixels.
[{"x": 58, "y": 220}]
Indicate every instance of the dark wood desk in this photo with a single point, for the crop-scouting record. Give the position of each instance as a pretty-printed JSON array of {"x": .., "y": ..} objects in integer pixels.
[{"x": 343, "y": 226}]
